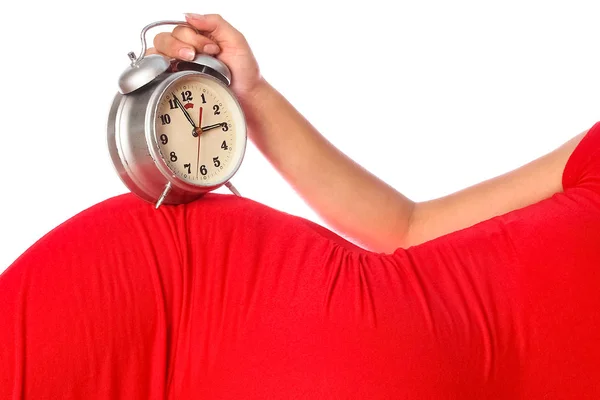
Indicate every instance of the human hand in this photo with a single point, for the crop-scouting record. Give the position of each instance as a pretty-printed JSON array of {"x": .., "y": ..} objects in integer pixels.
[{"x": 218, "y": 39}]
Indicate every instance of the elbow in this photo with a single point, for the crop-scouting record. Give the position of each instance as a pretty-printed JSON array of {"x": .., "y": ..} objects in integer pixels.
[{"x": 401, "y": 232}]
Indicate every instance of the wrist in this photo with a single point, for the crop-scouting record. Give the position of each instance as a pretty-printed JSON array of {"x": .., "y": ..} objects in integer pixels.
[
  {"x": 253, "y": 96},
  {"x": 254, "y": 104}
]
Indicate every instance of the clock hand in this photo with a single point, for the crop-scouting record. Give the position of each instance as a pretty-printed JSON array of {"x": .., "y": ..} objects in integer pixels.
[
  {"x": 213, "y": 126},
  {"x": 195, "y": 132}
]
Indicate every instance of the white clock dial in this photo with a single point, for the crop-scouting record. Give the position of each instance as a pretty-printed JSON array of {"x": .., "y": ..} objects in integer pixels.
[{"x": 200, "y": 130}]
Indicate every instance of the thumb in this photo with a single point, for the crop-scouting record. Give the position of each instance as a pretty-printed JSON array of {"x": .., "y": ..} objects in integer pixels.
[{"x": 216, "y": 28}]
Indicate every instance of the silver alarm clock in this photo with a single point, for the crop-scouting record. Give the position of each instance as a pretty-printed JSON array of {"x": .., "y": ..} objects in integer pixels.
[{"x": 175, "y": 129}]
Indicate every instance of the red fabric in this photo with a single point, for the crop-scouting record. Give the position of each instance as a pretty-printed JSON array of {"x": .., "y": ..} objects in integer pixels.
[{"x": 225, "y": 298}]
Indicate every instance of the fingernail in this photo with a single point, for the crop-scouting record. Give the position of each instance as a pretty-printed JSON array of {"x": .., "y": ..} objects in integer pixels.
[
  {"x": 194, "y": 16},
  {"x": 187, "y": 54},
  {"x": 211, "y": 49}
]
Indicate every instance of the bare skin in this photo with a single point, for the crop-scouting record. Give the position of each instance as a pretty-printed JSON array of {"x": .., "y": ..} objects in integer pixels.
[{"x": 364, "y": 208}]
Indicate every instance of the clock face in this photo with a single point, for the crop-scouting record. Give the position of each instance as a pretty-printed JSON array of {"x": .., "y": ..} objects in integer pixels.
[{"x": 200, "y": 130}]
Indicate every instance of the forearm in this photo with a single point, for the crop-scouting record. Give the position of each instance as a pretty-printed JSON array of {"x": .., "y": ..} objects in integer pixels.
[
  {"x": 350, "y": 199},
  {"x": 529, "y": 184},
  {"x": 360, "y": 206}
]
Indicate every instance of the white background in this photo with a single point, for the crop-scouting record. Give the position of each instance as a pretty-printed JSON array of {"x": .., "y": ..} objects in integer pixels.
[{"x": 432, "y": 96}]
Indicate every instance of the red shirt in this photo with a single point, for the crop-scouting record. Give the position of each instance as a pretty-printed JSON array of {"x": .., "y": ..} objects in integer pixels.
[{"x": 226, "y": 298}]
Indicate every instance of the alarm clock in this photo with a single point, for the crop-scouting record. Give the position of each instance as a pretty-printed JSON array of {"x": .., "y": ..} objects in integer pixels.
[{"x": 175, "y": 129}]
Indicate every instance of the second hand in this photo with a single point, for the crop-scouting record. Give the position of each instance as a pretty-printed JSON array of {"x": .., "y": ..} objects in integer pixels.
[{"x": 198, "y": 158}]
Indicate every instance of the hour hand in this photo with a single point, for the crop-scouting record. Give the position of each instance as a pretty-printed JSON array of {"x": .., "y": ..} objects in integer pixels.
[{"x": 213, "y": 126}]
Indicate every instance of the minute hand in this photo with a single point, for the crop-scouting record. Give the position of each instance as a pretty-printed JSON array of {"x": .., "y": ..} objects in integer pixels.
[{"x": 189, "y": 118}]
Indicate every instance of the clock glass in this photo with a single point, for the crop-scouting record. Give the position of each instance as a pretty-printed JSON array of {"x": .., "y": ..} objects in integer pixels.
[{"x": 200, "y": 130}]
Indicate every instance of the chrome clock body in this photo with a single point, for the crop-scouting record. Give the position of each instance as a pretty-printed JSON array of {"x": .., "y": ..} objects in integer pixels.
[
  {"x": 134, "y": 148},
  {"x": 133, "y": 140}
]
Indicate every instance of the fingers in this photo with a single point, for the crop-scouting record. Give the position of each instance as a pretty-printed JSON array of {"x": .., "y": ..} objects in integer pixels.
[
  {"x": 170, "y": 46},
  {"x": 184, "y": 43},
  {"x": 216, "y": 28},
  {"x": 199, "y": 42}
]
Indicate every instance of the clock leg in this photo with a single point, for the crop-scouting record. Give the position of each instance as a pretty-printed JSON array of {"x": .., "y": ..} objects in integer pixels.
[
  {"x": 163, "y": 195},
  {"x": 233, "y": 189}
]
